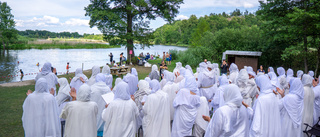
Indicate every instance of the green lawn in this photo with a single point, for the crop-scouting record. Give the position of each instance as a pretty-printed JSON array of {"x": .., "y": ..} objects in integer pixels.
[{"x": 11, "y": 100}]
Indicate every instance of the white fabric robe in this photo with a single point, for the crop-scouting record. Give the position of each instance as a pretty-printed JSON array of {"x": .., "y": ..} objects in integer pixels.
[
  {"x": 156, "y": 120},
  {"x": 203, "y": 109},
  {"x": 185, "y": 113},
  {"x": 171, "y": 89},
  {"x": 40, "y": 117},
  {"x": 316, "y": 112},
  {"x": 81, "y": 115},
  {"x": 76, "y": 82},
  {"x": 252, "y": 92},
  {"x": 120, "y": 118},
  {"x": 308, "y": 102},
  {"x": 287, "y": 123},
  {"x": 206, "y": 86},
  {"x": 109, "y": 77},
  {"x": 92, "y": 79},
  {"x": 51, "y": 78},
  {"x": 97, "y": 90},
  {"x": 132, "y": 81}
]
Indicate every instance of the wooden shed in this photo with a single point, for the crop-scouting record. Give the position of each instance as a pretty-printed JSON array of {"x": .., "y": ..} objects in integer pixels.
[{"x": 242, "y": 58}]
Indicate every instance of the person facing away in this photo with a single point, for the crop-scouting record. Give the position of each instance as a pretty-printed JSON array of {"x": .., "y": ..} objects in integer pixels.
[
  {"x": 40, "y": 117},
  {"x": 109, "y": 77},
  {"x": 21, "y": 73},
  {"x": 132, "y": 80},
  {"x": 51, "y": 78},
  {"x": 78, "y": 80},
  {"x": 291, "y": 109},
  {"x": 80, "y": 114},
  {"x": 154, "y": 74},
  {"x": 98, "y": 89},
  {"x": 232, "y": 119},
  {"x": 121, "y": 114},
  {"x": 111, "y": 57},
  {"x": 224, "y": 67},
  {"x": 308, "y": 101},
  {"x": 95, "y": 71},
  {"x": 266, "y": 120},
  {"x": 156, "y": 120},
  {"x": 68, "y": 68}
]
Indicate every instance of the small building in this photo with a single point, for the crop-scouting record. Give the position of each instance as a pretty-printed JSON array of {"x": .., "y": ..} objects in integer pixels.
[{"x": 242, "y": 58}]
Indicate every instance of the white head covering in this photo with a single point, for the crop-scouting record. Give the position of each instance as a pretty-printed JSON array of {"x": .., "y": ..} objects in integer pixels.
[
  {"x": 177, "y": 69},
  {"x": 184, "y": 97},
  {"x": 250, "y": 71},
  {"x": 281, "y": 71},
  {"x": 95, "y": 71},
  {"x": 118, "y": 80},
  {"x": 79, "y": 74},
  {"x": 263, "y": 82},
  {"x": 41, "y": 86},
  {"x": 144, "y": 86},
  {"x": 147, "y": 79},
  {"x": 169, "y": 76},
  {"x": 122, "y": 91},
  {"x": 233, "y": 68},
  {"x": 191, "y": 83},
  {"x": 242, "y": 78},
  {"x": 299, "y": 74},
  {"x": 144, "y": 89},
  {"x": 178, "y": 79},
  {"x": 46, "y": 69},
  {"x": 134, "y": 72},
  {"x": 155, "y": 86},
  {"x": 100, "y": 78},
  {"x": 311, "y": 73},
  {"x": 188, "y": 67},
  {"x": 223, "y": 80},
  {"x": 307, "y": 80},
  {"x": 84, "y": 93},
  {"x": 198, "y": 70},
  {"x": 203, "y": 67},
  {"x": 274, "y": 79},
  {"x": 106, "y": 70},
  {"x": 183, "y": 71},
  {"x": 64, "y": 89},
  {"x": 289, "y": 74},
  {"x": 271, "y": 69},
  {"x": 232, "y": 96},
  {"x": 293, "y": 102}
]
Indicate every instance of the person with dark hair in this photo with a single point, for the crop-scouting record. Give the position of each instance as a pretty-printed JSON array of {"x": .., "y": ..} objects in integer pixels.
[
  {"x": 111, "y": 57},
  {"x": 121, "y": 55},
  {"x": 68, "y": 68},
  {"x": 224, "y": 67},
  {"x": 261, "y": 69},
  {"x": 21, "y": 74}
]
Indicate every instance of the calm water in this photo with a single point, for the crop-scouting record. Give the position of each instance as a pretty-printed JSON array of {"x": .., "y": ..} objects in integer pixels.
[{"x": 59, "y": 58}]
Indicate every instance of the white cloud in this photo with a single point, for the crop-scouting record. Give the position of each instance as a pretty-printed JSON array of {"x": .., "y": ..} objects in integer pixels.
[
  {"x": 181, "y": 17},
  {"x": 77, "y": 22},
  {"x": 219, "y": 3}
]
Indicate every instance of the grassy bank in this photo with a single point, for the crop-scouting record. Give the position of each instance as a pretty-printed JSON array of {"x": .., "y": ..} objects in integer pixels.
[
  {"x": 60, "y": 46},
  {"x": 12, "y": 98}
]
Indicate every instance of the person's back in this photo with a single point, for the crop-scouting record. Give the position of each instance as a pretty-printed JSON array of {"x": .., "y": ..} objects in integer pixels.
[
  {"x": 81, "y": 115},
  {"x": 308, "y": 101},
  {"x": 40, "y": 113},
  {"x": 46, "y": 73},
  {"x": 156, "y": 121},
  {"x": 206, "y": 85}
]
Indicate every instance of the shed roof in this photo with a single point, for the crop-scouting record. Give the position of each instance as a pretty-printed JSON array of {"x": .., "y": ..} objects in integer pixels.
[{"x": 241, "y": 53}]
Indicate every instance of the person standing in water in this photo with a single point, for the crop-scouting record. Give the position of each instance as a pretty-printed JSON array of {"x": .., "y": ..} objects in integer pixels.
[
  {"x": 21, "y": 72},
  {"x": 68, "y": 68}
]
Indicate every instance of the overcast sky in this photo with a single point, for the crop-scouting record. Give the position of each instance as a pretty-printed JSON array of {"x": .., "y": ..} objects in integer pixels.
[{"x": 69, "y": 15}]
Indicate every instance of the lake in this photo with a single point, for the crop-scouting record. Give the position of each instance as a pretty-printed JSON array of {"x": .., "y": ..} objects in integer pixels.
[{"x": 9, "y": 66}]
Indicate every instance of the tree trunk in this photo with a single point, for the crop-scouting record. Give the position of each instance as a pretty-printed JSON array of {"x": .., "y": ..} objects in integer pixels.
[
  {"x": 4, "y": 46},
  {"x": 305, "y": 44},
  {"x": 129, "y": 34}
]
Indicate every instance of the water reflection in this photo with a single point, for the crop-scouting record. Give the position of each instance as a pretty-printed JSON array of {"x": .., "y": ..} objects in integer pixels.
[{"x": 28, "y": 59}]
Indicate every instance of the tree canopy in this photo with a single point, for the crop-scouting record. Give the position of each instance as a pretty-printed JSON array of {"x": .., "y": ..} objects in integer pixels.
[
  {"x": 124, "y": 21},
  {"x": 7, "y": 25}
]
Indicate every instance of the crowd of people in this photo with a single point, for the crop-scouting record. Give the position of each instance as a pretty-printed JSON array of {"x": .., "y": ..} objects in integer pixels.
[{"x": 180, "y": 103}]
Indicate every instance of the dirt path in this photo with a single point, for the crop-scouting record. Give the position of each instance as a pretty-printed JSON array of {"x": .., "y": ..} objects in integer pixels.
[{"x": 18, "y": 84}]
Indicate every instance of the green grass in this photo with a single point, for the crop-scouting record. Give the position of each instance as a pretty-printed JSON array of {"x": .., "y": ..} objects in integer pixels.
[
  {"x": 12, "y": 98},
  {"x": 60, "y": 46}
]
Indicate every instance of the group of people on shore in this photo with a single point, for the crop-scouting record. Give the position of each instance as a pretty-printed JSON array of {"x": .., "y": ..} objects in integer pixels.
[{"x": 180, "y": 103}]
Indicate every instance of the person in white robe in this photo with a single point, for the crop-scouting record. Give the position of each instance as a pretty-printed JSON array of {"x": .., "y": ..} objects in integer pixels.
[
  {"x": 270, "y": 69},
  {"x": 251, "y": 72},
  {"x": 316, "y": 111},
  {"x": 311, "y": 73},
  {"x": 176, "y": 70},
  {"x": 299, "y": 74},
  {"x": 188, "y": 67},
  {"x": 216, "y": 71},
  {"x": 252, "y": 86},
  {"x": 97, "y": 89},
  {"x": 197, "y": 73},
  {"x": 156, "y": 120},
  {"x": 289, "y": 75},
  {"x": 200, "y": 124},
  {"x": 51, "y": 78},
  {"x": 121, "y": 114},
  {"x": 284, "y": 84},
  {"x": 164, "y": 80},
  {"x": 274, "y": 82},
  {"x": 182, "y": 73},
  {"x": 218, "y": 100},
  {"x": 266, "y": 120},
  {"x": 242, "y": 83},
  {"x": 154, "y": 74},
  {"x": 40, "y": 117},
  {"x": 170, "y": 88},
  {"x": 308, "y": 101},
  {"x": 206, "y": 81},
  {"x": 132, "y": 80},
  {"x": 291, "y": 110},
  {"x": 109, "y": 77},
  {"x": 81, "y": 114},
  {"x": 185, "y": 104},
  {"x": 144, "y": 90},
  {"x": 118, "y": 80},
  {"x": 95, "y": 71},
  {"x": 281, "y": 72},
  {"x": 63, "y": 96},
  {"x": 232, "y": 119},
  {"x": 234, "y": 71},
  {"x": 78, "y": 80}
]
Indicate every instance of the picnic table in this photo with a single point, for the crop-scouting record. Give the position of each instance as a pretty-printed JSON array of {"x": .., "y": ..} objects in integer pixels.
[{"x": 122, "y": 70}]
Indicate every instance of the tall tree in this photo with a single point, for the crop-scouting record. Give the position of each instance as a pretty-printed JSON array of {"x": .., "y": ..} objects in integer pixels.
[
  {"x": 7, "y": 24},
  {"x": 124, "y": 21}
]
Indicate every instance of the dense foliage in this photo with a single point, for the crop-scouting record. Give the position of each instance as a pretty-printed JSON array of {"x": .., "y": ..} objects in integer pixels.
[
  {"x": 44, "y": 34},
  {"x": 277, "y": 33},
  {"x": 8, "y": 33}
]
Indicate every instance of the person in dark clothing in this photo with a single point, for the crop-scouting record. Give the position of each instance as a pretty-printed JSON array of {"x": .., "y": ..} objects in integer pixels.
[
  {"x": 21, "y": 74},
  {"x": 261, "y": 70},
  {"x": 111, "y": 58},
  {"x": 121, "y": 55},
  {"x": 224, "y": 67}
]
